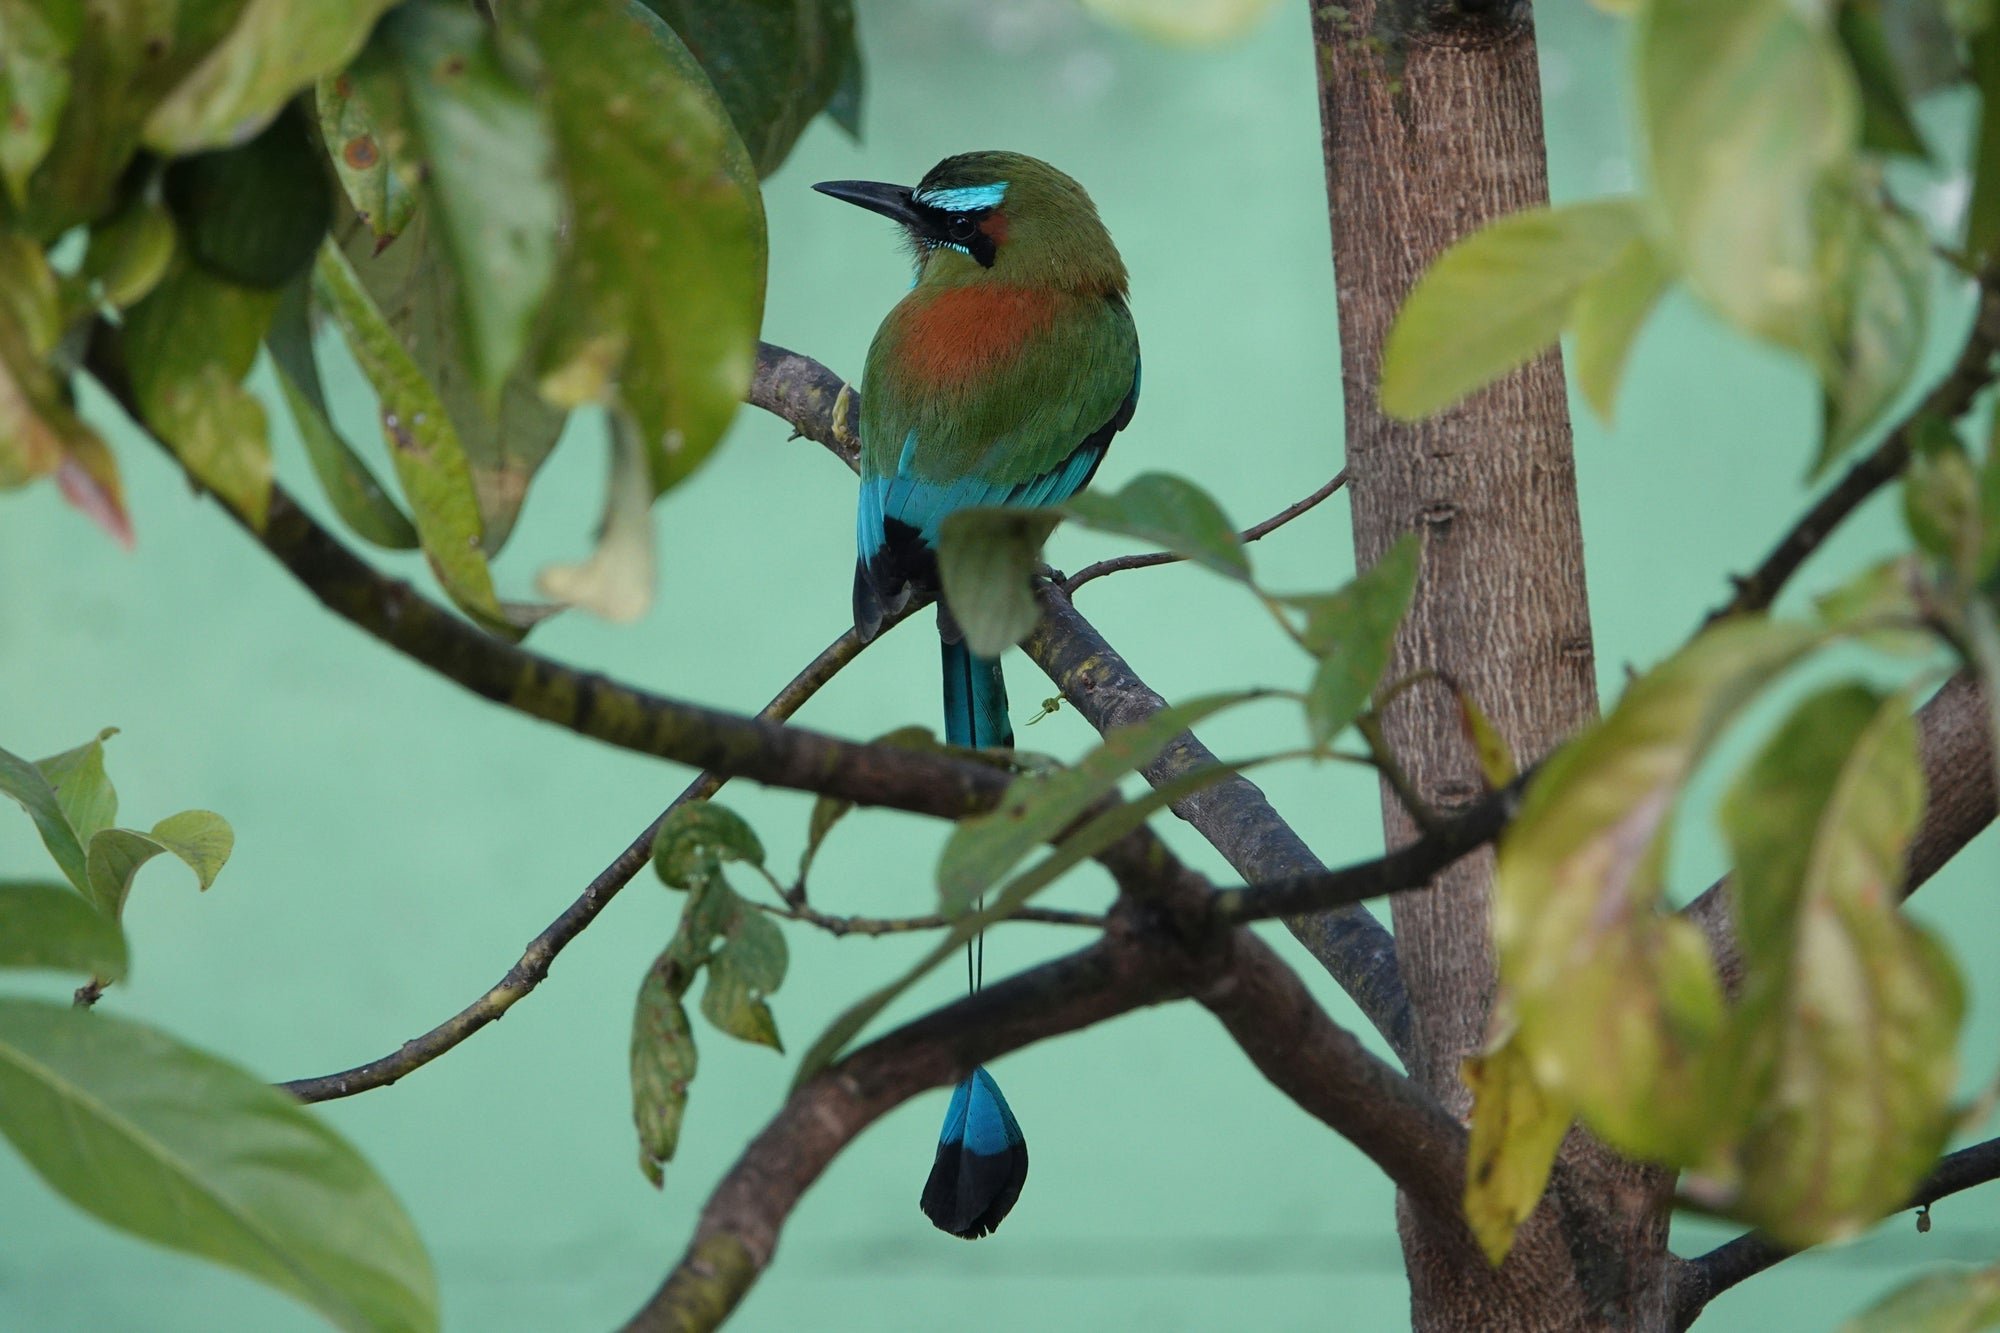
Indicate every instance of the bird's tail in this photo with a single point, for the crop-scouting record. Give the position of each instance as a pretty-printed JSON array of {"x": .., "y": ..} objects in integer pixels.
[
  {"x": 982, "y": 1161},
  {"x": 975, "y": 700}
]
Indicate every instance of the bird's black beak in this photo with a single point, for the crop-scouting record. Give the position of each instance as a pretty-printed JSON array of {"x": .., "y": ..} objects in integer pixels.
[{"x": 891, "y": 201}]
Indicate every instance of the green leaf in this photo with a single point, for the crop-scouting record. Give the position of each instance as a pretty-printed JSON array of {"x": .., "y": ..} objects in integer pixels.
[
  {"x": 1850, "y": 1014},
  {"x": 616, "y": 582},
  {"x": 748, "y": 966},
  {"x": 180, "y": 1148},
  {"x": 1619, "y": 1007},
  {"x": 1169, "y": 512},
  {"x": 1496, "y": 759},
  {"x": 130, "y": 251},
  {"x": 254, "y": 214},
  {"x": 668, "y": 252},
  {"x": 1942, "y": 500},
  {"x": 1038, "y": 806},
  {"x": 844, "y": 107},
  {"x": 47, "y": 925},
  {"x": 1353, "y": 632},
  {"x": 1745, "y": 107},
  {"x": 276, "y": 48},
  {"x": 453, "y": 101},
  {"x": 202, "y": 839},
  {"x": 89, "y": 802},
  {"x": 826, "y": 812},
  {"x": 695, "y": 840},
  {"x": 1982, "y": 217},
  {"x": 1875, "y": 266},
  {"x": 1611, "y": 307},
  {"x": 189, "y": 344},
  {"x": 1887, "y": 126},
  {"x": 1517, "y": 1126},
  {"x": 380, "y": 196},
  {"x": 356, "y": 495},
  {"x": 1959, "y": 1300},
  {"x": 1496, "y": 299},
  {"x": 1989, "y": 510},
  {"x": 987, "y": 560},
  {"x": 429, "y": 458},
  {"x": 24, "y": 782},
  {"x": 663, "y": 1063},
  {"x": 774, "y": 63},
  {"x": 415, "y": 291},
  {"x": 37, "y": 38},
  {"x": 126, "y": 58}
]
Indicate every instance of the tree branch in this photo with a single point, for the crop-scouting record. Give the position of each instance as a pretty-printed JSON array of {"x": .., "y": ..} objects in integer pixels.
[
  {"x": 1711, "y": 1274},
  {"x": 1949, "y": 400},
  {"x": 1257, "y": 532},
  {"x": 839, "y": 926},
  {"x": 533, "y": 967},
  {"x": 1145, "y": 958}
]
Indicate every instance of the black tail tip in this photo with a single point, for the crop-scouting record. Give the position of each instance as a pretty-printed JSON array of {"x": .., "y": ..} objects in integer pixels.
[{"x": 969, "y": 1194}]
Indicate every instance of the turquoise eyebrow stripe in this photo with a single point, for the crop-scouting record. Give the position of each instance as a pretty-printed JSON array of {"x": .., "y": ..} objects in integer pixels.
[{"x": 965, "y": 197}]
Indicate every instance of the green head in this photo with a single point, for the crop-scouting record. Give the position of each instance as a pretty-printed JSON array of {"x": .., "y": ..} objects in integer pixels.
[{"x": 996, "y": 217}]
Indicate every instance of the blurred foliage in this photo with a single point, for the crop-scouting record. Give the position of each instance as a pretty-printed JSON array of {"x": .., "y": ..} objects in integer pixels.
[
  {"x": 156, "y": 1137},
  {"x": 510, "y": 212}
]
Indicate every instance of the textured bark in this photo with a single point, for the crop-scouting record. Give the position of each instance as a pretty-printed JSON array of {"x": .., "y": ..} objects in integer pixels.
[{"x": 1431, "y": 113}]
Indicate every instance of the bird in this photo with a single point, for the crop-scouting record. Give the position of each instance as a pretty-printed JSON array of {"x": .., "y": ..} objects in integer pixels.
[{"x": 999, "y": 379}]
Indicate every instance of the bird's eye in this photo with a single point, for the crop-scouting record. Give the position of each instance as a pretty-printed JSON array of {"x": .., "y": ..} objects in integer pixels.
[{"x": 961, "y": 227}]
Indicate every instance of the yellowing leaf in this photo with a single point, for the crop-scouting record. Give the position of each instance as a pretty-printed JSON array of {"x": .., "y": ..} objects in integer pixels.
[
  {"x": 189, "y": 344},
  {"x": 616, "y": 582},
  {"x": 1618, "y": 1004},
  {"x": 1517, "y": 1126},
  {"x": 276, "y": 48},
  {"x": 429, "y": 459},
  {"x": 1496, "y": 299},
  {"x": 1875, "y": 267},
  {"x": 1746, "y": 106},
  {"x": 1610, "y": 310},
  {"x": 37, "y": 38},
  {"x": 1965, "y": 1300},
  {"x": 1850, "y": 1013}
]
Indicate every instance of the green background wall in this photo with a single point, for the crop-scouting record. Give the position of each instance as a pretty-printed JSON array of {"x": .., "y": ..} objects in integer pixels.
[{"x": 399, "y": 840}]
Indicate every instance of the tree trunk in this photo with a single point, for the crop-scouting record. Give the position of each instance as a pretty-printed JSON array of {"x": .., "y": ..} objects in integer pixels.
[{"x": 1431, "y": 114}]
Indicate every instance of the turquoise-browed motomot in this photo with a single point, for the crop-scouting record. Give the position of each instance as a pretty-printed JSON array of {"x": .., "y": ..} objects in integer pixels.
[{"x": 999, "y": 380}]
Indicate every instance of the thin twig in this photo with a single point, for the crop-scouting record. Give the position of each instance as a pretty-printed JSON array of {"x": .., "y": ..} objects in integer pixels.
[
  {"x": 1257, "y": 532},
  {"x": 1407, "y": 867},
  {"x": 1950, "y": 399},
  {"x": 533, "y": 967},
  {"x": 903, "y": 925},
  {"x": 1751, "y": 1253}
]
